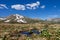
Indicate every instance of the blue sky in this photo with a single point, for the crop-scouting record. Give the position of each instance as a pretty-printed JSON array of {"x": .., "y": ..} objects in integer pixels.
[{"x": 31, "y": 8}]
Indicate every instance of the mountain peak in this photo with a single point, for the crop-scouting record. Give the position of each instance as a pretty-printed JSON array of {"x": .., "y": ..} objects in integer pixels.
[
  {"x": 16, "y": 18},
  {"x": 16, "y": 14}
]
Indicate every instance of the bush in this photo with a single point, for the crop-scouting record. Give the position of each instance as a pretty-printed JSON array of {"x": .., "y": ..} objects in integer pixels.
[{"x": 45, "y": 33}]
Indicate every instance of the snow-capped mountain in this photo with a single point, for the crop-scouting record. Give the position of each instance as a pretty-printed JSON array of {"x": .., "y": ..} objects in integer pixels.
[{"x": 14, "y": 18}]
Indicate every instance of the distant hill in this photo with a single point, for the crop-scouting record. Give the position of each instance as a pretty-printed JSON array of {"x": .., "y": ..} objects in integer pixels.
[{"x": 54, "y": 20}]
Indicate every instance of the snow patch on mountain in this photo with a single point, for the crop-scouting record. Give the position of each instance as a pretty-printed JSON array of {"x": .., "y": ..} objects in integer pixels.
[
  {"x": 7, "y": 21},
  {"x": 21, "y": 21},
  {"x": 2, "y": 18}
]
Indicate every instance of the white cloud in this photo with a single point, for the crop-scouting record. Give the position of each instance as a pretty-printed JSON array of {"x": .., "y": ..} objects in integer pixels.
[
  {"x": 18, "y": 7},
  {"x": 43, "y": 6},
  {"x": 26, "y": 6},
  {"x": 2, "y": 6},
  {"x": 33, "y": 5}
]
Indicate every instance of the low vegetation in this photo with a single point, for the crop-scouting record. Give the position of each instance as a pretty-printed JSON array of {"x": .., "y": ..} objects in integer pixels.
[{"x": 36, "y": 31}]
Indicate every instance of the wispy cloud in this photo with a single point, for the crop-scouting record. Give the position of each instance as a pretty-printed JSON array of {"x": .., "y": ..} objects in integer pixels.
[
  {"x": 43, "y": 6},
  {"x": 18, "y": 7},
  {"x": 54, "y": 6},
  {"x": 2, "y": 6}
]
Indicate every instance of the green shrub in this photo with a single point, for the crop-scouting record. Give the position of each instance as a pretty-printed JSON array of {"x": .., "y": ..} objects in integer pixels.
[{"x": 46, "y": 34}]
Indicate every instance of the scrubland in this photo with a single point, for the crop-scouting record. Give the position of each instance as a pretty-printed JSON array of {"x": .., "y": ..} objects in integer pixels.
[{"x": 47, "y": 31}]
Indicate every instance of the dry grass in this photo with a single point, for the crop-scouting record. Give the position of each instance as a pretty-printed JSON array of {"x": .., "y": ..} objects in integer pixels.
[{"x": 52, "y": 31}]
